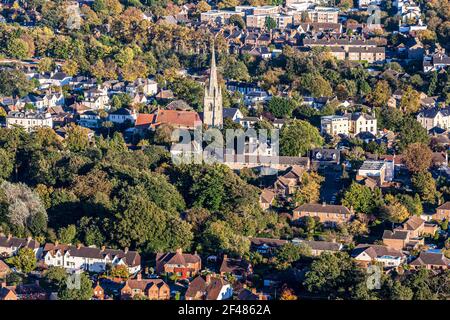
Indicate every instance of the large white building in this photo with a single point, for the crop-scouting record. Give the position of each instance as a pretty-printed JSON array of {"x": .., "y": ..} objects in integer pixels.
[
  {"x": 29, "y": 120},
  {"x": 334, "y": 125},
  {"x": 89, "y": 258},
  {"x": 435, "y": 117}
]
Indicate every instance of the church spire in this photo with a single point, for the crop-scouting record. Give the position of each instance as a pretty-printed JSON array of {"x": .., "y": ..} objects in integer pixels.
[
  {"x": 212, "y": 101},
  {"x": 213, "y": 83}
]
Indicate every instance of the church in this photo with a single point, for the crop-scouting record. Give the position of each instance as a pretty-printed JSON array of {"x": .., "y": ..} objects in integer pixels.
[{"x": 212, "y": 101}]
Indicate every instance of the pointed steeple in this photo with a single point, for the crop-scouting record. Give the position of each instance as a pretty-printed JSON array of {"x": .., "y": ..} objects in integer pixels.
[
  {"x": 212, "y": 100},
  {"x": 213, "y": 84}
]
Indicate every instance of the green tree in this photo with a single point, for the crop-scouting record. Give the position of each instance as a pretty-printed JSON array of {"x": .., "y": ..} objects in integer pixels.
[
  {"x": 297, "y": 137},
  {"x": 84, "y": 292},
  {"x": 24, "y": 260},
  {"x": 359, "y": 197},
  {"x": 281, "y": 107},
  {"x": 270, "y": 23},
  {"x": 68, "y": 234},
  {"x": 425, "y": 185}
]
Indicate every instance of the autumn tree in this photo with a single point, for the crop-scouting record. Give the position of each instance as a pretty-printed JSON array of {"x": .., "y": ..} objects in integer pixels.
[
  {"x": 297, "y": 137},
  {"x": 410, "y": 101},
  {"x": 418, "y": 157}
]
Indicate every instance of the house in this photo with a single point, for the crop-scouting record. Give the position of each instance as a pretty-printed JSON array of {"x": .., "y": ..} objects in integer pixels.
[
  {"x": 181, "y": 119},
  {"x": 90, "y": 119},
  {"x": 209, "y": 287},
  {"x": 432, "y": 261},
  {"x": 321, "y": 157},
  {"x": 59, "y": 79},
  {"x": 10, "y": 245},
  {"x": 334, "y": 125},
  {"x": 317, "y": 247},
  {"x": 415, "y": 226},
  {"x": 153, "y": 289},
  {"x": 367, "y": 254},
  {"x": 29, "y": 120},
  {"x": 361, "y": 122},
  {"x": 443, "y": 212},
  {"x": 435, "y": 117},
  {"x": 4, "y": 270},
  {"x": 250, "y": 295},
  {"x": 89, "y": 258},
  {"x": 237, "y": 267},
  {"x": 232, "y": 113},
  {"x": 123, "y": 115},
  {"x": 184, "y": 265},
  {"x": 288, "y": 183},
  {"x": 7, "y": 293},
  {"x": 377, "y": 170},
  {"x": 248, "y": 122},
  {"x": 266, "y": 246},
  {"x": 266, "y": 198},
  {"x": 99, "y": 292},
  {"x": 400, "y": 239},
  {"x": 326, "y": 213}
]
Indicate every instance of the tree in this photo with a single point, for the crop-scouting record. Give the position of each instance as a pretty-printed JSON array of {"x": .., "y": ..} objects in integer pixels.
[
  {"x": 401, "y": 292},
  {"x": 418, "y": 157},
  {"x": 359, "y": 197},
  {"x": 223, "y": 4},
  {"x": 381, "y": 94},
  {"x": 24, "y": 260},
  {"x": 309, "y": 189},
  {"x": 395, "y": 212},
  {"x": 84, "y": 292},
  {"x": 120, "y": 271},
  {"x": 203, "y": 6},
  {"x": 220, "y": 236},
  {"x": 6, "y": 163},
  {"x": 68, "y": 234},
  {"x": 281, "y": 107},
  {"x": 425, "y": 185},
  {"x": 289, "y": 253},
  {"x": 270, "y": 23},
  {"x": 14, "y": 83},
  {"x": 238, "y": 21},
  {"x": 25, "y": 208},
  {"x": 17, "y": 48},
  {"x": 287, "y": 294},
  {"x": 46, "y": 65},
  {"x": 316, "y": 85},
  {"x": 297, "y": 137},
  {"x": 70, "y": 67},
  {"x": 77, "y": 138},
  {"x": 333, "y": 274},
  {"x": 410, "y": 101},
  {"x": 411, "y": 131}
]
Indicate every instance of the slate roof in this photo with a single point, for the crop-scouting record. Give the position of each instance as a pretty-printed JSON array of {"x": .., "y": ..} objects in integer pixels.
[
  {"x": 397, "y": 234},
  {"x": 8, "y": 242},
  {"x": 375, "y": 251},
  {"x": 428, "y": 258},
  {"x": 327, "y": 208}
]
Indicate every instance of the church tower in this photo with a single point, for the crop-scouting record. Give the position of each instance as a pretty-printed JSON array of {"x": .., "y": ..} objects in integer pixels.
[{"x": 212, "y": 101}]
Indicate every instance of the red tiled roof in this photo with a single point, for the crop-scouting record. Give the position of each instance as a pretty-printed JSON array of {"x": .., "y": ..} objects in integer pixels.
[
  {"x": 177, "y": 118},
  {"x": 144, "y": 119}
]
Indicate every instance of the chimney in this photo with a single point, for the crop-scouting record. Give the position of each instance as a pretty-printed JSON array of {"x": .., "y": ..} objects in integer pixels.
[
  {"x": 125, "y": 250},
  {"x": 253, "y": 290},
  {"x": 225, "y": 257},
  {"x": 3, "y": 284},
  {"x": 179, "y": 251},
  {"x": 29, "y": 239},
  {"x": 139, "y": 276},
  {"x": 208, "y": 278},
  {"x": 324, "y": 204},
  {"x": 103, "y": 248},
  {"x": 56, "y": 243},
  {"x": 9, "y": 236},
  {"x": 78, "y": 245}
]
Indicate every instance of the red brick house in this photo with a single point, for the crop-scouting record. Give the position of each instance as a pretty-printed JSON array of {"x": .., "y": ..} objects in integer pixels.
[
  {"x": 443, "y": 212},
  {"x": 184, "y": 265},
  {"x": 153, "y": 289},
  {"x": 327, "y": 213},
  {"x": 432, "y": 261}
]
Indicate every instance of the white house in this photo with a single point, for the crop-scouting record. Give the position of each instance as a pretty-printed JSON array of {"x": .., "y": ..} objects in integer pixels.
[
  {"x": 367, "y": 254},
  {"x": 334, "y": 125},
  {"x": 435, "y": 117},
  {"x": 29, "y": 120},
  {"x": 123, "y": 115},
  {"x": 89, "y": 258},
  {"x": 90, "y": 119},
  {"x": 10, "y": 245}
]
